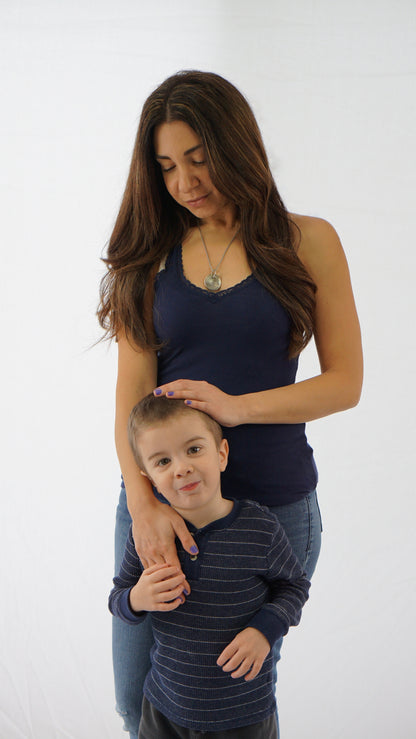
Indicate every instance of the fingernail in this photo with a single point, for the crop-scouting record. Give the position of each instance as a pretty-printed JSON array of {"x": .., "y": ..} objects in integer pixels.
[
  {"x": 194, "y": 549},
  {"x": 170, "y": 392},
  {"x": 188, "y": 402},
  {"x": 158, "y": 391},
  {"x": 186, "y": 592}
]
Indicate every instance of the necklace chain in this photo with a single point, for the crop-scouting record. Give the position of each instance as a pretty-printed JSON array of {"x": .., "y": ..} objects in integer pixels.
[{"x": 213, "y": 281}]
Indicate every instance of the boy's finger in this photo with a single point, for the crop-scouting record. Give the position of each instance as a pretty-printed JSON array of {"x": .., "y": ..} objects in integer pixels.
[
  {"x": 241, "y": 671},
  {"x": 233, "y": 663},
  {"x": 168, "y": 584},
  {"x": 174, "y": 568},
  {"x": 155, "y": 568},
  {"x": 169, "y": 606},
  {"x": 253, "y": 672},
  {"x": 226, "y": 654},
  {"x": 167, "y": 596}
]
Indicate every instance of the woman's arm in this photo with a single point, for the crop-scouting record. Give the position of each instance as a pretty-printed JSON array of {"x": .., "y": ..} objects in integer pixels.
[
  {"x": 154, "y": 524},
  {"x": 136, "y": 372},
  {"x": 337, "y": 338}
]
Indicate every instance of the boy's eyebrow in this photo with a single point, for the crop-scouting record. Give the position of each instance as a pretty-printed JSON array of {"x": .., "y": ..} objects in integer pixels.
[
  {"x": 185, "y": 153},
  {"x": 188, "y": 441}
]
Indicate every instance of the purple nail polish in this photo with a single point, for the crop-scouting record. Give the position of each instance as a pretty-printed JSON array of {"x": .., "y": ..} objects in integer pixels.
[
  {"x": 158, "y": 391},
  {"x": 186, "y": 592},
  {"x": 194, "y": 549},
  {"x": 188, "y": 402},
  {"x": 170, "y": 393}
]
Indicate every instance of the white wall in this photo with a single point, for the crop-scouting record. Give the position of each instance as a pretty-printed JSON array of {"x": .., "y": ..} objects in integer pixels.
[{"x": 332, "y": 84}]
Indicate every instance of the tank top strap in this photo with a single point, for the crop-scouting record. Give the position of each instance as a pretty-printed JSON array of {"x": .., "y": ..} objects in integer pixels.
[{"x": 173, "y": 258}]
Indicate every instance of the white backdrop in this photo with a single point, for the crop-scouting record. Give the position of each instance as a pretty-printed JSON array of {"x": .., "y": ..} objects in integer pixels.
[{"x": 333, "y": 86}]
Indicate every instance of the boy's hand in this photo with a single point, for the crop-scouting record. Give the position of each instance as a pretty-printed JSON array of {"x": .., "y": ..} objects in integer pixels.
[
  {"x": 245, "y": 654},
  {"x": 159, "y": 588}
]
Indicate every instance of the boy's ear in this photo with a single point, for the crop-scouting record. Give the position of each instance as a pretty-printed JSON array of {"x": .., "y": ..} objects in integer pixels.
[
  {"x": 142, "y": 472},
  {"x": 223, "y": 454}
]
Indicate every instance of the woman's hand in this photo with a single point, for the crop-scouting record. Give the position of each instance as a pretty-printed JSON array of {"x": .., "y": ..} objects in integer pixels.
[
  {"x": 226, "y": 409},
  {"x": 154, "y": 536}
]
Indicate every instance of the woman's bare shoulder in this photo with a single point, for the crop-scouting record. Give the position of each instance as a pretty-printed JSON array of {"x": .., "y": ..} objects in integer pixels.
[
  {"x": 311, "y": 229},
  {"x": 316, "y": 241}
]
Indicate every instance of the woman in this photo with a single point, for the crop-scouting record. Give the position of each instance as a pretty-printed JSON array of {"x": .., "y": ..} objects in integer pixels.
[{"x": 212, "y": 291}]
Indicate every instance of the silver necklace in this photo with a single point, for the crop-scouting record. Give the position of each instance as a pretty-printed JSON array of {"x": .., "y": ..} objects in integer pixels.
[{"x": 213, "y": 281}]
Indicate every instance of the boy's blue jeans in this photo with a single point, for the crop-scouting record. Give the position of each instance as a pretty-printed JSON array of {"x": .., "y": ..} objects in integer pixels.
[{"x": 132, "y": 644}]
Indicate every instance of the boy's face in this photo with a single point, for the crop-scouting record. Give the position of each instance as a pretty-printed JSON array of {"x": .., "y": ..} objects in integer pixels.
[{"x": 184, "y": 463}]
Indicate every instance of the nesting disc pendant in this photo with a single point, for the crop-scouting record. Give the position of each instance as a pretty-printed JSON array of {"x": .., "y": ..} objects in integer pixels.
[{"x": 212, "y": 282}]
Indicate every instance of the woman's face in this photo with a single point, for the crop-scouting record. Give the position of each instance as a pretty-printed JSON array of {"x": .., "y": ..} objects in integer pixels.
[{"x": 181, "y": 156}]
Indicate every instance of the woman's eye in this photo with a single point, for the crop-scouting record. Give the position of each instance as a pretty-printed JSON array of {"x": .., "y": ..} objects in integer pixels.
[
  {"x": 168, "y": 169},
  {"x": 199, "y": 163}
]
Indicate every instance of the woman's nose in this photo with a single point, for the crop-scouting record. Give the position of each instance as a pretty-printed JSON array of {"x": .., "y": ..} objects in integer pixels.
[{"x": 187, "y": 180}]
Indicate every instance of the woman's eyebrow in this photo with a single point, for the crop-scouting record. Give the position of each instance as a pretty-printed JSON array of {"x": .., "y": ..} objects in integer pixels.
[
  {"x": 194, "y": 148},
  {"x": 188, "y": 151}
]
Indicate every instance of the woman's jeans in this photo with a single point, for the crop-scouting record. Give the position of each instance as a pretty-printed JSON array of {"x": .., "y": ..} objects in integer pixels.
[{"x": 132, "y": 644}]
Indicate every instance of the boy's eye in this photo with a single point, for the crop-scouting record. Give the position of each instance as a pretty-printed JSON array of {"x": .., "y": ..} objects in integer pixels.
[
  {"x": 163, "y": 462},
  {"x": 194, "y": 449}
]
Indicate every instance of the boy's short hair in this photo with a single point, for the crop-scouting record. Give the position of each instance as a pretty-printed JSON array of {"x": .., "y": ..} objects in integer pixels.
[{"x": 154, "y": 409}]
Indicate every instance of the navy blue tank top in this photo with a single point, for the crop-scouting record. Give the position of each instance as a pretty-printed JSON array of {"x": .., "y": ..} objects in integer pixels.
[{"x": 236, "y": 339}]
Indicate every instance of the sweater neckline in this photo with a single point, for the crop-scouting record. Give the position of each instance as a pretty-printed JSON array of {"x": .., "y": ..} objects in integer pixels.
[{"x": 219, "y": 523}]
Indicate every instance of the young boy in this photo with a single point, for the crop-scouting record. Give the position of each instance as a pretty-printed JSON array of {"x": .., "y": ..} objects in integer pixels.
[{"x": 211, "y": 663}]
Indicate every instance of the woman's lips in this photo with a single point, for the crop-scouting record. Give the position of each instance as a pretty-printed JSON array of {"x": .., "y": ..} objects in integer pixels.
[{"x": 197, "y": 202}]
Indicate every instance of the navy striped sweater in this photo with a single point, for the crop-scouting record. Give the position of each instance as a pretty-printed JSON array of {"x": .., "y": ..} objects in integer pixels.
[{"x": 246, "y": 574}]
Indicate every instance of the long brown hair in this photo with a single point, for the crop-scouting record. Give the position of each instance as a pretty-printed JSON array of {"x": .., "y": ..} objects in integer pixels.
[{"x": 150, "y": 223}]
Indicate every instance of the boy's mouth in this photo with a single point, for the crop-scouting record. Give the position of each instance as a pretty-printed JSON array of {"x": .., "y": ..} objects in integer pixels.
[{"x": 189, "y": 487}]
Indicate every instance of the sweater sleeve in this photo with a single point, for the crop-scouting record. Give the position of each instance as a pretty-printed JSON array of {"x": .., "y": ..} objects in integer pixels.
[
  {"x": 130, "y": 572},
  {"x": 289, "y": 590}
]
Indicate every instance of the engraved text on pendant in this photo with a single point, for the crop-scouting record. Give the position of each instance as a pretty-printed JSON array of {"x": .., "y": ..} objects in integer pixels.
[{"x": 212, "y": 282}]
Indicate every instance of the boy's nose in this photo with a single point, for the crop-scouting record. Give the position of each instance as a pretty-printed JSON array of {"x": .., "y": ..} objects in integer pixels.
[{"x": 183, "y": 468}]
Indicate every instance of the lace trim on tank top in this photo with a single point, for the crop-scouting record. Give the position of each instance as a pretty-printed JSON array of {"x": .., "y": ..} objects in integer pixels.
[{"x": 220, "y": 293}]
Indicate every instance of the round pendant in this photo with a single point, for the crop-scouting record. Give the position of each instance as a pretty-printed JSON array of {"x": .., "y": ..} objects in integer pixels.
[{"x": 212, "y": 282}]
